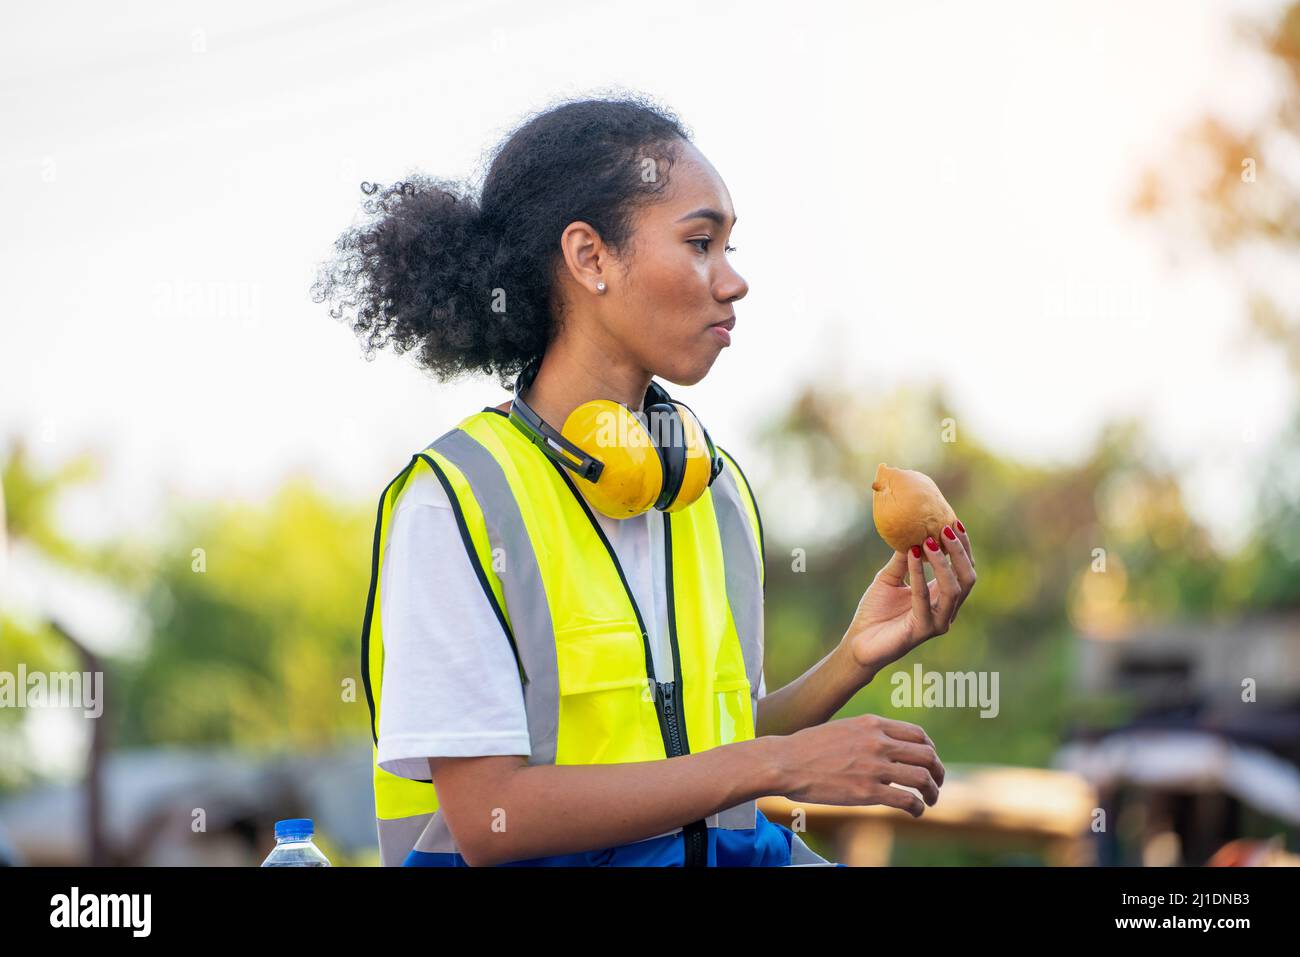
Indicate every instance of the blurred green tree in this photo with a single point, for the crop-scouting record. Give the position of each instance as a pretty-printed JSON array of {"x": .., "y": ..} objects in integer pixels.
[
  {"x": 30, "y": 503},
  {"x": 255, "y": 615},
  {"x": 1232, "y": 189}
]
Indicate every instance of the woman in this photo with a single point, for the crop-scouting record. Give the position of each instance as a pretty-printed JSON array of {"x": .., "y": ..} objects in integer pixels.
[{"x": 567, "y": 641}]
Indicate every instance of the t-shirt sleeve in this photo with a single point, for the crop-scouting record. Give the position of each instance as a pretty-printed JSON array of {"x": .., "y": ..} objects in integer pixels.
[{"x": 450, "y": 684}]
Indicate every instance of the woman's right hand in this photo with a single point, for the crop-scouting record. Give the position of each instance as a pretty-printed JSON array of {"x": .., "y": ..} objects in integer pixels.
[{"x": 855, "y": 761}]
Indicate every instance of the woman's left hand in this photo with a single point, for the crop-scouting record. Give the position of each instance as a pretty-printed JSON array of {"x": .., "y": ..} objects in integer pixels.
[{"x": 893, "y": 618}]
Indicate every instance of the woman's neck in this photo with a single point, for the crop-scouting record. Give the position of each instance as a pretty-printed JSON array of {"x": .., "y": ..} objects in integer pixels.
[{"x": 566, "y": 380}]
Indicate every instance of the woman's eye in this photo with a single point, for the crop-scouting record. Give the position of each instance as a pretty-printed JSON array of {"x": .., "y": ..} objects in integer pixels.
[{"x": 704, "y": 248}]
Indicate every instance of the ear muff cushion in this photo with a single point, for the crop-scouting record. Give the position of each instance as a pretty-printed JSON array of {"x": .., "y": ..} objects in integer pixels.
[
  {"x": 633, "y": 475},
  {"x": 670, "y": 439},
  {"x": 697, "y": 468}
]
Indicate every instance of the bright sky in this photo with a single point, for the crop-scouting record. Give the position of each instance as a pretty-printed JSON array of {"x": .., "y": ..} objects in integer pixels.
[{"x": 925, "y": 190}]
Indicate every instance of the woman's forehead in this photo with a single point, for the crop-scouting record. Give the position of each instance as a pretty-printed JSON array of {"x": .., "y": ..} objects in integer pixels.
[{"x": 696, "y": 192}]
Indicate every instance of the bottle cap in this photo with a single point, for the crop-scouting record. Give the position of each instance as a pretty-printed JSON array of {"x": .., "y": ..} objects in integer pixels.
[{"x": 294, "y": 827}]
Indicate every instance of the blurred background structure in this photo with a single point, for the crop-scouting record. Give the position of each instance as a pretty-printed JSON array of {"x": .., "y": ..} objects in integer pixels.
[{"x": 1047, "y": 254}]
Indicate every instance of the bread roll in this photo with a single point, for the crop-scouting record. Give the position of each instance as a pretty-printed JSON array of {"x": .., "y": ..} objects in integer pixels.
[{"x": 907, "y": 507}]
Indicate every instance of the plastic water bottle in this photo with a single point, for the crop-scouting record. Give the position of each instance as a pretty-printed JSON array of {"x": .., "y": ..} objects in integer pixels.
[{"x": 294, "y": 847}]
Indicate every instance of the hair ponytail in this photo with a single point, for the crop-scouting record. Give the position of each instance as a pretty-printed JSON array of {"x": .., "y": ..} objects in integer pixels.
[{"x": 425, "y": 275}]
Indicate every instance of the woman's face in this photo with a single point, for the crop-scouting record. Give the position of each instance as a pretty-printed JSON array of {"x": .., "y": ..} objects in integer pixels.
[{"x": 675, "y": 284}]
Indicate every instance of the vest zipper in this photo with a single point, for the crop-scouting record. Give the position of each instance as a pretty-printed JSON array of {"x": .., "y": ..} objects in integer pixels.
[
  {"x": 668, "y": 701},
  {"x": 695, "y": 834}
]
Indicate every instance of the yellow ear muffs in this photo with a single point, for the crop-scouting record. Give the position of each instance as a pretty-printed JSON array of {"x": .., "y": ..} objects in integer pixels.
[
  {"x": 625, "y": 462},
  {"x": 633, "y": 475}
]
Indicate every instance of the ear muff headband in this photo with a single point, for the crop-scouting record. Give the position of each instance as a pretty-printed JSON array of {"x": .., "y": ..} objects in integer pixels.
[
  {"x": 674, "y": 446},
  {"x": 700, "y": 463},
  {"x": 537, "y": 431},
  {"x": 715, "y": 460}
]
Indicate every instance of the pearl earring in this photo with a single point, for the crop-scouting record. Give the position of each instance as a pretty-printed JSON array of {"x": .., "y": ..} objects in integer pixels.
[{"x": 600, "y": 286}]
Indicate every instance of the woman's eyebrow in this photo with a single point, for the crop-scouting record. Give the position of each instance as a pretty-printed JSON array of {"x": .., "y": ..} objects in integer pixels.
[{"x": 707, "y": 212}]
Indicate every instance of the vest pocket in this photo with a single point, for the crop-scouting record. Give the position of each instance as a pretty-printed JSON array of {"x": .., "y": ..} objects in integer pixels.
[
  {"x": 607, "y": 712},
  {"x": 733, "y": 719},
  {"x": 599, "y": 657}
]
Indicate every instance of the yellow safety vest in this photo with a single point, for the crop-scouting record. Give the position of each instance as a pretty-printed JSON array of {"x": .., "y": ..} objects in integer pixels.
[{"x": 578, "y": 637}]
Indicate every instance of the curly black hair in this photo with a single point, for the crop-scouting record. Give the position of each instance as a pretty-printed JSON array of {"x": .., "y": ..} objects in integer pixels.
[{"x": 468, "y": 283}]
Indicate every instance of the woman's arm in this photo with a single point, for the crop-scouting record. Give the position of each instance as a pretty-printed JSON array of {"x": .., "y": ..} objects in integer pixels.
[
  {"x": 814, "y": 696},
  {"x": 500, "y": 808}
]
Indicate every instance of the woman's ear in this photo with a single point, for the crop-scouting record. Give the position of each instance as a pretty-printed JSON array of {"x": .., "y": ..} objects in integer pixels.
[{"x": 585, "y": 255}]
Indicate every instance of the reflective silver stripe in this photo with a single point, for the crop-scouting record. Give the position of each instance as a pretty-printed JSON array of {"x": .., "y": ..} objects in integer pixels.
[
  {"x": 743, "y": 567},
  {"x": 436, "y": 837},
  {"x": 741, "y": 817},
  {"x": 397, "y": 836},
  {"x": 801, "y": 853},
  {"x": 521, "y": 583},
  {"x": 429, "y": 833}
]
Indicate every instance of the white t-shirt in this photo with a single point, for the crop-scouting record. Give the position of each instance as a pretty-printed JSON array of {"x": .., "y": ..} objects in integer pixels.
[{"x": 450, "y": 685}]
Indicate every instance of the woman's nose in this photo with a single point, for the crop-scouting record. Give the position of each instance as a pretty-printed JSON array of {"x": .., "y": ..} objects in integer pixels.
[{"x": 732, "y": 286}]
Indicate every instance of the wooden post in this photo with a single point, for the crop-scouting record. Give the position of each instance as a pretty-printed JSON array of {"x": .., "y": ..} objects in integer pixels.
[{"x": 95, "y": 838}]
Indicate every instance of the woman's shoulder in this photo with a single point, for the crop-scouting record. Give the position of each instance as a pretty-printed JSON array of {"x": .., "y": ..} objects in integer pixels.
[{"x": 423, "y": 488}]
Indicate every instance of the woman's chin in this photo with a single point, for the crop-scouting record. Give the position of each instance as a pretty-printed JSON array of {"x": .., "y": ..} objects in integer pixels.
[
  {"x": 689, "y": 372},
  {"x": 688, "y": 375}
]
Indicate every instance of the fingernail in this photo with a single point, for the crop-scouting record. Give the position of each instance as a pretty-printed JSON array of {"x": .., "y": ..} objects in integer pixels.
[
  {"x": 931, "y": 544},
  {"x": 916, "y": 551},
  {"x": 949, "y": 534},
  {"x": 960, "y": 527}
]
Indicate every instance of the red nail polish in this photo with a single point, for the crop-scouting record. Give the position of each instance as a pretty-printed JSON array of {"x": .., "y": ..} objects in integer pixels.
[
  {"x": 948, "y": 534},
  {"x": 960, "y": 527},
  {"x": 916, "y": 551},
  {"x": 931, "y": 544}
]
